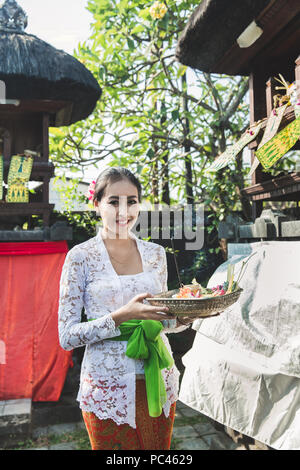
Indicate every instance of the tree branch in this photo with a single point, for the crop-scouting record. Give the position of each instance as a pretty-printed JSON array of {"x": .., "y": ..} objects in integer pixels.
[
  {"x": 178, "y": 92},
  {"x": 233, "y": 107}
]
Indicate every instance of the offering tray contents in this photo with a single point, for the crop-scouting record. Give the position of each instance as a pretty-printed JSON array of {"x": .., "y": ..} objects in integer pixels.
[
  {"x": 196, "y": 291},
  {"x": 196, "y": 301}
]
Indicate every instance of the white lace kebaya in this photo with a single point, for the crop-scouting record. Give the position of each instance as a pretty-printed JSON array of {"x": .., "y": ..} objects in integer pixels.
[{"x": 89, "y": 281}]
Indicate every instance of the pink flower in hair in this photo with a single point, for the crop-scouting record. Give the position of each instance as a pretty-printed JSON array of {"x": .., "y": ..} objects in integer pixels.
[{"x": 91, "y": 190}]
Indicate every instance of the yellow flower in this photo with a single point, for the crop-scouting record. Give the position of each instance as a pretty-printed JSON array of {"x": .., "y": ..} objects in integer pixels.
[{"x": 158, "y": 10}]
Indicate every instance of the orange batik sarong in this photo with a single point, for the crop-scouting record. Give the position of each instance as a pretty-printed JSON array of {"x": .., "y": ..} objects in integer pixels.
[{"x": 150, "y": 433}]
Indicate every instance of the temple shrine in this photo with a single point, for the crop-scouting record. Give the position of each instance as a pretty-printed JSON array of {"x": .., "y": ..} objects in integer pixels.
[
  {"x": 258, "y": 39},
  {"x": 41, "y": 87}
]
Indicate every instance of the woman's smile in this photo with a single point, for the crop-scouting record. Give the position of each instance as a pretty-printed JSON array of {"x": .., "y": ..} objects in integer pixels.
[{"x": 123, "y": 223}]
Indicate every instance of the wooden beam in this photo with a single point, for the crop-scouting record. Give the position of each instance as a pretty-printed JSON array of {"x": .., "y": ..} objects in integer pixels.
[
  {"x": 46, "y": 190},
  {"x": 270, "y": 92},
  {"x": 274, "y": 19},
  {"x": 283, "y": 185},
  {"x": 6, "y": 144},
  {"x": 34, "y": 106},
  {"x": 46, "y": 119},
  {"x": 26, "y": 208},
  {"x": 258, "y": 111},
  {"x": 257, "y": 96}
]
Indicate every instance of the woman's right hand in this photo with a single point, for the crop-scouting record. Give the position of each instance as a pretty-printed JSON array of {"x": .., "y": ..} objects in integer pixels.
[{"x": 136, "y": 309}]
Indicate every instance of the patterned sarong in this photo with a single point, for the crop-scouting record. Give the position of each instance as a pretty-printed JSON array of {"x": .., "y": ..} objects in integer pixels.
[{"x": 150, "y": 433}]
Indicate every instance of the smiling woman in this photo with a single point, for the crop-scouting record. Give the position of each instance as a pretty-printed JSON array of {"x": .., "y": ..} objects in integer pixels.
[{"x": 129, "y": 382}]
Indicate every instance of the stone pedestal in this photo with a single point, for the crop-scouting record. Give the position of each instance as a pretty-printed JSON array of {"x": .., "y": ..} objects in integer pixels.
[
  {"x": 57, "y": 232},
  {"x": 271, "y": 225}
]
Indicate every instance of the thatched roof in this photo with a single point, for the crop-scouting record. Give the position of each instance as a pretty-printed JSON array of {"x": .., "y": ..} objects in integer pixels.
[
  {"x": 212, "y": 29},
  {"x": 33, "y": 69}
]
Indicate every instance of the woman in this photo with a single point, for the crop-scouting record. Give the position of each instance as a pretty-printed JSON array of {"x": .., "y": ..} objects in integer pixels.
[{"x": 129, "y": 383}]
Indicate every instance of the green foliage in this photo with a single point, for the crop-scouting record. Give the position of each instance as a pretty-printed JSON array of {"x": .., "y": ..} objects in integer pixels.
[
  {"x": 68, "y": 191},
  {"x": 163, "y": 121}
]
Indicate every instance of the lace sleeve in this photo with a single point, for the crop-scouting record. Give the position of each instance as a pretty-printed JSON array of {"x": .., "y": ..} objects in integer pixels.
[
  {"x": 163, "y": 269},
  {"x": 169, "y": 325},
  {"x": 73, "y": 333}
]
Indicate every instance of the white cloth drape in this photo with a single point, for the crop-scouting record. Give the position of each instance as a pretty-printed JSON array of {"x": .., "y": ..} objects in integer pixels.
[{"x": 243, "y": 369}]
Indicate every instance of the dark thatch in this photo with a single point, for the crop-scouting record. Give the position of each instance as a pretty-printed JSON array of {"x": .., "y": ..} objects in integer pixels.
[
  {"x": 34, "y": 70},
  {"x": 212, "y": 30}
]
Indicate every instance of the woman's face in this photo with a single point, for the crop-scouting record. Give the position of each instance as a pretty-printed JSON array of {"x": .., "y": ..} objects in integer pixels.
[{"x": 119, "y": 208}]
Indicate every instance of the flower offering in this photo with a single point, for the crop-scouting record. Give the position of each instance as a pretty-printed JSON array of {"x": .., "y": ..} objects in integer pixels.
[
  {"x": 158, "y": 10},
  {"x": 196, "y": 291}
]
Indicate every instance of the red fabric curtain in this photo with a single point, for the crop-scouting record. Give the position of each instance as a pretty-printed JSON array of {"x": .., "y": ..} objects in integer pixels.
[{"x": 33, "y": 364}]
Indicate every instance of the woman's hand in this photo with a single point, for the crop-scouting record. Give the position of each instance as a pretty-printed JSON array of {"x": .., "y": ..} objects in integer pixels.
[{"x": 136, "y": 309}]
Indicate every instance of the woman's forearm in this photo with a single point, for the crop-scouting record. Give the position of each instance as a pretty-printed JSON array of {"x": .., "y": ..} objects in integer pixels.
[{"x": 120, "y": 315}]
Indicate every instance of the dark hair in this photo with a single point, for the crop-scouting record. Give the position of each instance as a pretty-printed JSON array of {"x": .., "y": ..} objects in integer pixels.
[{"x": 112, "y": 175}]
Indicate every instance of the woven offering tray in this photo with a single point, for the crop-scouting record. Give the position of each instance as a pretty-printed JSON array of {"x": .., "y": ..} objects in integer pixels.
[
  {"x": 195, "y": 307},
  {"x": 196, "y": 301}
]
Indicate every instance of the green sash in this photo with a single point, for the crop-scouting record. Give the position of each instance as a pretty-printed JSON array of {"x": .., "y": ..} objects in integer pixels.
[{"x": 145, "y": 342}]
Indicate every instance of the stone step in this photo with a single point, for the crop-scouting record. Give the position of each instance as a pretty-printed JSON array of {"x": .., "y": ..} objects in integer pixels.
[
  {"x": 20, "y": 418},
  {"x": 15, "y": 420},
  {"x": 51, "y": 413}
]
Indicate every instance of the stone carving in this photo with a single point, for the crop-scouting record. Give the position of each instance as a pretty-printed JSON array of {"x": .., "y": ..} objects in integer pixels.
[{"x": 12, "y": 16}]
